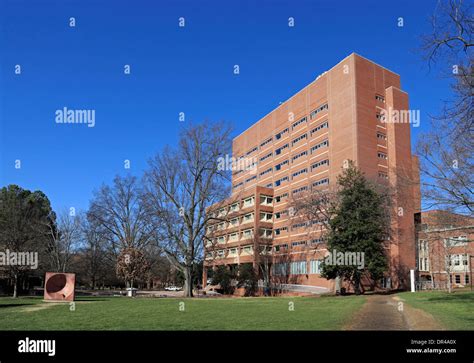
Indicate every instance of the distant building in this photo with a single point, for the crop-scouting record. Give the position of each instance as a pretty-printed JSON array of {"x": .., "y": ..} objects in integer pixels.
[{"x": 445, "y": 245}]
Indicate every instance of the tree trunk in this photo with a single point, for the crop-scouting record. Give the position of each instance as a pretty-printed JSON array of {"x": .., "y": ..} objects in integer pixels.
[
  {"x": 15, "y": 285},
  {"x": 357, "y": 284},
  {"x": 188, "y": 282}
]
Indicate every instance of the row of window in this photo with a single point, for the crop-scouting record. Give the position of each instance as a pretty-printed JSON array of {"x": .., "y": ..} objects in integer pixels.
[
  {"x": 283, "y": 132},
  {"x": 244, "y": 203},
  {"x": 457, "y": 279},
  {"x": 279, "y": 166},
  {"x": 297, "y": 268},
  {"x": 280, "y": 181}
]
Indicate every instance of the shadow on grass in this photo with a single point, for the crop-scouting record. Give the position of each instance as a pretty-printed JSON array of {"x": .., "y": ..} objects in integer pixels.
[
  {"x": 12, "y": 305},
  {"x": 451, "y": 297}
]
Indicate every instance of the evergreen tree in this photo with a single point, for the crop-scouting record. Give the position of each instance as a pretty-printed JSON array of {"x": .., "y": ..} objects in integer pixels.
[{"x": 359, "y": 225}]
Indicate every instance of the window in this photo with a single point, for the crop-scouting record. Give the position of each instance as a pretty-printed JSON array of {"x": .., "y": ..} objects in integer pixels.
[
  {"x": 297, "y": 123},
  {"x": 466, "y": 279},
  {"x": 252, "y": 150},
  {"x": 233, "y": 237},
  {"x": 266, "y": 171},
  {"x": 221, "y": 239},
  {"x": 298, "y": 268},
  {"x": 279, "y": 135},
  {"x": 280, "y": 149},
  {"x": 298, "y": 243},
  {"x": 250, "y": 179},
  {"x": 280, "y": 181},
  {"x": 248, "y": 233},
  {"x": 249, "y": 202},
  {"x": 297, "y": 156},
  {"x": 315, "y": 266},
  {"x": 299, "y": 190},
  {"x": 324, "y": 125},
  {"x": 277, "y": 248},
  {"x": 247, "y": 218},
  {"x": 279, "y": 230},
  {"x": 280, "y": 269},
  {"x": 234, "y": 207},
  {"x": 281, "y": 197},
  {"x": 320, "y": 182},
  {"x": 280, "y": 214},
  {"x": 324, "y": 143},
  {"x": 232, "y": 251},
  {"x": 320, "y": 163},
  {"x": 383, "y": 175},
  {"x": 278, "y": 166},
  {"x": 379, "y": 98},
  {"x": 458, "y": 279},
  {"x": 238, "y": 185},
  {"x": 299, "y": 172},
  {"x": 315, "y": 241},
  {"x": 269, "y": 185},
  {"x": 380, "y": 117},
  {"x": 457, "y": 260},
  {"x": 298, "y": 139},
  {"x": 318, "y": 110},
  {"x": 248, "y": 249},
  {"x": 423, "y": 264},
  {"x": 266, "y": 142},
  {"x": 264, "y": 216},
  {"x": 299, "y": 225},
  {"x": 382, "y": 155},
  {"x": 266, "y": 200},
  {"x": 266, "y": 156},
  {"x": 381, "y": 136}
]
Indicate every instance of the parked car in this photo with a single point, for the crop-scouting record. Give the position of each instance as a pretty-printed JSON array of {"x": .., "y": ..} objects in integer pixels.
[{"x": 173, "y": 288}]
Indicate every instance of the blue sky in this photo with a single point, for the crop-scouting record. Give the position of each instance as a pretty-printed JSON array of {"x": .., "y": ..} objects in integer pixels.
[{"x": 175, "y": 70}]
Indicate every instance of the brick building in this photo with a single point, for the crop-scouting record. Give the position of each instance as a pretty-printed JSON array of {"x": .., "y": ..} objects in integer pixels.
[
  {"x": 344, "y": 114},
  {"x": 445, "y": 245}
]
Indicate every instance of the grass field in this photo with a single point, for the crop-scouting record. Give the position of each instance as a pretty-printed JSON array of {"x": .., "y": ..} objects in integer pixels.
[
  {"x": 455, "y": 311},
  {"x": 121, "y": 313}
]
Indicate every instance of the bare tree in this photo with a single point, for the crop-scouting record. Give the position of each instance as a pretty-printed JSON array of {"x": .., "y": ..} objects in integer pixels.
[
  {"x": 118, "y": 210},
  {"x": 446, "y": 152},
  {"x": 181, "y": 184},
  {"x": 93, "y": 253},
  {"x": 64, "y": 238}
]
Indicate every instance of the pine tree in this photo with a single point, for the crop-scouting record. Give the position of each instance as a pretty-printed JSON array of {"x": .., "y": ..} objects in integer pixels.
[{"x": 359, "y": 225}]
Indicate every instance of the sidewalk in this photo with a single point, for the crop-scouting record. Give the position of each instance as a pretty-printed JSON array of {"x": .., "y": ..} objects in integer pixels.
[{"x": 389, "y": 312}]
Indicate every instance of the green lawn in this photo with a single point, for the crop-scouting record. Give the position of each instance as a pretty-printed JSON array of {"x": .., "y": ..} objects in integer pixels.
[
  {"x": 121, "y": 313},
  {"x": 455, "y": 311}
]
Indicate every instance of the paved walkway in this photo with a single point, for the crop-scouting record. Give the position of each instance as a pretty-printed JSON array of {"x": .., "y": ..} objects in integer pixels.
[{"x": 389, "y": 312}]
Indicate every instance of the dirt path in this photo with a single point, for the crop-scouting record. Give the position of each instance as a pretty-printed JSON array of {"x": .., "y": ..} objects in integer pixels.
[{"x": 389, "y": 312}]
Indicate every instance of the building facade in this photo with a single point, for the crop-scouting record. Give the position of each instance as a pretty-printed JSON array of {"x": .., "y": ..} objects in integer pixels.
[
  {"x": 445, "y": 249},
  {"x": 302, "y": 145}
]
